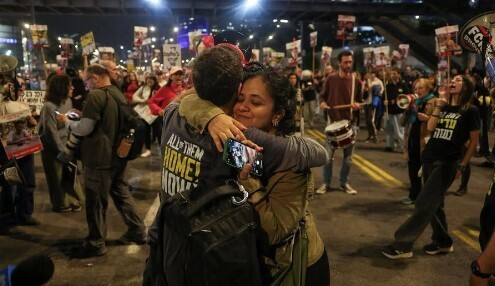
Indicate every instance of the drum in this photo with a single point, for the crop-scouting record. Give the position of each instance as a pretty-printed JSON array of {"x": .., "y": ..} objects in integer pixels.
[{"x": 340, "y": 134}]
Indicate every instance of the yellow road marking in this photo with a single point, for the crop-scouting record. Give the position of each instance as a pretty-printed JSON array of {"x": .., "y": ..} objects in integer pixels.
[
  {"x": 471, "y": 242},
  {"x": 474, "y": 233},
  {"x": 378, "y": 170},
  {"x": 383, "y": 177}
]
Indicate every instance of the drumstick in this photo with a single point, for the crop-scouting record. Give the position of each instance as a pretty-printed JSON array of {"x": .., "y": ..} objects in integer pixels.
[{"x": 341, "y": 106}]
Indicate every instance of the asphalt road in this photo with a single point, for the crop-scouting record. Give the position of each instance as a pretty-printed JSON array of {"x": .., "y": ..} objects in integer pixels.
[{"x": 354, "y": 228}]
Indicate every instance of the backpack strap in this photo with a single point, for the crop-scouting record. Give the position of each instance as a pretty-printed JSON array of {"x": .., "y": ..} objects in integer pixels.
[{"x": 119, "y": 115}]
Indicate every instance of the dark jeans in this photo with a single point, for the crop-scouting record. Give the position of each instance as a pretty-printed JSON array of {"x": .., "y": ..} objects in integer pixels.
[
  {"x": 157, "y": 128},
  {"x": 147, "y": 134},
  {"x": 17, "y": 202},
  {"x": 98, "y": 185},
  {"x": 318, "y": 274},
  {"x": 429, "y": 207},
  {"x": 369, "y": 112},
  {"x": 414, "y": 164}
]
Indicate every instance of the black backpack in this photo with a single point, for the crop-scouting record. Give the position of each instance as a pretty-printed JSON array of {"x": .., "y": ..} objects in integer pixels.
[
  {"x": 205, "y": 240},
  {"x": 129, "y": 119}
]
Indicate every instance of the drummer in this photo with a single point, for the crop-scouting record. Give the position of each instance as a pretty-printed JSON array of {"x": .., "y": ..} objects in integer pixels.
[{"x": 340, "y": 96}]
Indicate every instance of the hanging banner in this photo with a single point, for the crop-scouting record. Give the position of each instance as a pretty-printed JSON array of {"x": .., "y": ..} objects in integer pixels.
[
  {"x": 171, "y": 56},
  {"x": 106, "y": 53},
  {"x": 345, "y": 27},
  {"x": 88, "y": 43},
  {"x": 313, "y": 39},
  {"x": 446, "y": 41},
  {"x": 293, "y": 53},
  {"x": 39, "y": 34},
  {"x": 67, "y": 48},
  {"x": 140, "y": 33},
  {"x": 326, "y": 54}
]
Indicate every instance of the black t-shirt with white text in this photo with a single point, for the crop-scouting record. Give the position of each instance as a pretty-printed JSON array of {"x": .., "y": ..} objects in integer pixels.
[{"x": 451, "y": 133}]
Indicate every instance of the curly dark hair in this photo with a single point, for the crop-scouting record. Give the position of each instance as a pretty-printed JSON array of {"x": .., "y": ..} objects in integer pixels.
[
  {"x": 217, "y": 74},
  {"x": 153, "y": 77},
  {"x": 282, "y": 92},
  {"x": 58, "y": 88}
]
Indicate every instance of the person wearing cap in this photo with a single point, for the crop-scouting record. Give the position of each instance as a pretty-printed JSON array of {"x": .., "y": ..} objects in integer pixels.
[{"x": 164, "y": 96}]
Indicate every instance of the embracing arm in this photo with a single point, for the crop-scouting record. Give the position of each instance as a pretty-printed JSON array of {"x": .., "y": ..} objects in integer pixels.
[{"x": 202, "y": 114}]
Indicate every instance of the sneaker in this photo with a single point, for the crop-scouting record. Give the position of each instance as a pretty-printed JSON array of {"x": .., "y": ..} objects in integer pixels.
[
  {"x": 62, "y": 209},
  {"x": 30, "y": 222},
  {"x": 461, "y": 191},
  {"x": 322, "y": 189},
  {"x": 394, "y": 253},
  {"x": 129, "y": 238},
  {"x": 348, "y": 189},
  {"x": 86, "y": 251},
  {"x": 433, "y": 249},
  {"x": 407, "y": 201},
  {"x": 76, "y": 208},
  {"x": 146, "y": 153}
]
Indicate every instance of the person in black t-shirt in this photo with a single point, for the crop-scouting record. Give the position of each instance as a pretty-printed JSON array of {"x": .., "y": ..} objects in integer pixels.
[{"x": 454, "y": 123}]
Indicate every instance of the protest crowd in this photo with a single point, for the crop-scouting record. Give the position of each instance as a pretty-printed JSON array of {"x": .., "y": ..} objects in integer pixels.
[{"x": 84, "y": 123}]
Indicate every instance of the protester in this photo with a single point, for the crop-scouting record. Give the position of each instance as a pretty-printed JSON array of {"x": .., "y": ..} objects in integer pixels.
[
  {"x": 394, "y": 131},
  {"x": 163, "y": 96},
  {"x": 103, "y": 170},
  {"x": 141, "y": 97},
  {"x": 453, "y": 122},
  {"x": 416, "y": 134},
  {"x": 53, "y": 136},
  {"x": 340, "y": 89}
]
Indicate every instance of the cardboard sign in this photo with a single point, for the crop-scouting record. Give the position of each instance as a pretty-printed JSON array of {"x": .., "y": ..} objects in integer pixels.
[
  {"x": 171, "y": 56},
  {"x": 88, "y": 43},
  {"x": 34, "y": 98}
]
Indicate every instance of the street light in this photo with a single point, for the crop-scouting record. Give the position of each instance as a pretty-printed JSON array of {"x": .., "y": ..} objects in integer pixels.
[
  {"x": 176, "y": 29},
  {"x": 152, "y": 28}
]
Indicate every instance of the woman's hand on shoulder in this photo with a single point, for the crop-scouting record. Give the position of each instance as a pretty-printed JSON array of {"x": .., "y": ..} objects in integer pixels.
[{"x": 222, "y": 127}]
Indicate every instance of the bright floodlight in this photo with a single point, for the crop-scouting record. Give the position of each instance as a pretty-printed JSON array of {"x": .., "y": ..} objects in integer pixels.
[
  {"x": 270, "y": 37},
  {"x": 26, "y": 26},
  {"x": 248, "y": 4},
  {"x": 8, "y": 52},
  {"x": 171, "y": 40},
  {"x": 417, "y": 17},
  {"x": 152, "y": 28},
  {"x": 154, "y": 1},
  {"x": 176, "y": 29},
  {"x": 121, "y": 47},
  {"x": 251, "y": 37},
  {"x": 284, "y": 21}
]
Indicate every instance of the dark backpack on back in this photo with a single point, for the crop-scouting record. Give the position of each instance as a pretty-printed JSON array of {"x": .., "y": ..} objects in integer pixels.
[
  {"x": 205, "y": 240},
  {"x": 129, "y": 119}
]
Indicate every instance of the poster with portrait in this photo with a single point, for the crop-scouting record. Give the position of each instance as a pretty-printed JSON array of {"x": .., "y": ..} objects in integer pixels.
[
  {"x": 276, "y": 60},
  {"x": 106, "y": 53},
  {"x": 326, "y": 54},
  {"x": 39, "y": 34},
  {"x": 267, "y": 55},
  {"x": 345, "y": 27},
  {"x": 140, "y": 33},
  {"x": 313, "y": 39},
  {"x": 382, "y": 58},
  {"x": 88, "y": 43},
  {"x": 369, "y": 57},
  {"x": 293, "y": 52},
  {"x": 446, "y": 41},
  {"x": 255, "y": 56},
  {"x": 67, "y": 48},
  {"x": 19, "y": 136},
  {"x": 147, "y": 49},
  {"x": 171, "y": 56},
  {"x": 157, "y": 54},
  {"x": 62, "y": 62},
  {"x": 194, "y": 39}
]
